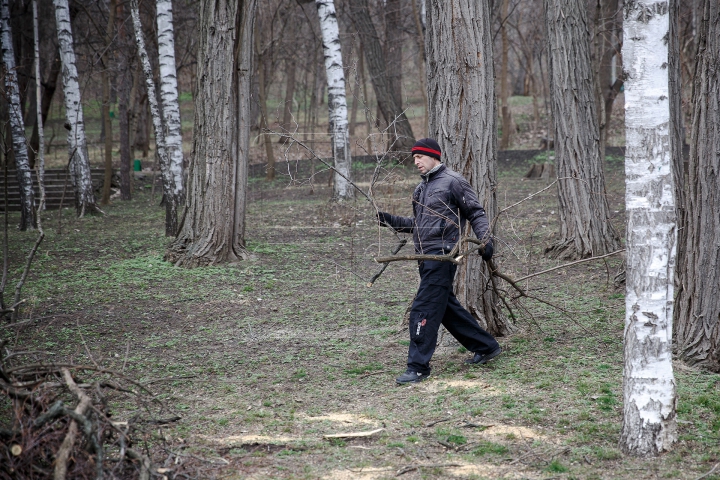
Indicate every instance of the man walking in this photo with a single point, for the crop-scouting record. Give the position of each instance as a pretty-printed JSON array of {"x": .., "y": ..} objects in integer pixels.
[{"x": 442, "y": 203}]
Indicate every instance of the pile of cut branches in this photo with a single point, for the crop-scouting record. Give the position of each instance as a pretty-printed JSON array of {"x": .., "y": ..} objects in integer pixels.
[{"x": 61, "y": 425}]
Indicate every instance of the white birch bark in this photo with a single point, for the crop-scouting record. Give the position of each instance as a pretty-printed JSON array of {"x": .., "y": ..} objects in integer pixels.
[
  {"x": 40, "y": 158},
  {"x": 17, "y": 126},
  {"x": 77, "y": 143},
  {"x": 337, "y": 104},
  {"x": 169, "y": 96},
  {"x": 171, "y": 203},
  {"x": 649, "y": 425}
]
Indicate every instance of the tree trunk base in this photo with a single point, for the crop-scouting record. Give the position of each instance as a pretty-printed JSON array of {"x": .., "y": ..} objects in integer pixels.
[
  {"x": 564, "y": 250},
  {"x": 179, "y": 255},
  {"x": 498, "y": 326},
  {"x": 90, "y": 209}
]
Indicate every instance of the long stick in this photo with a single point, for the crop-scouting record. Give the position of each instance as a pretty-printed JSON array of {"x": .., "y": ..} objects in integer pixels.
[
  {"x": 568, "y": 265},
  {"x": 382, "y": 269}
]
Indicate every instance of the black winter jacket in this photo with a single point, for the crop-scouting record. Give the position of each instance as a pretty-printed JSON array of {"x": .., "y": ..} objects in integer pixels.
[{"x": 442, "y": 203}]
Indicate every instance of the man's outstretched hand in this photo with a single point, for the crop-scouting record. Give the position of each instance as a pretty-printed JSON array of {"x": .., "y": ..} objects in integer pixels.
[
  {"x": 487, "y": 251},
  {"x": 383, "y": 219}
]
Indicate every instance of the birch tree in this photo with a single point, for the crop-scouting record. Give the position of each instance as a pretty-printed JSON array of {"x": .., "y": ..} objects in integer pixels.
[
  {"x": 171, "y": 202},
  {"x": 697, "y": 315},
  {"x": 40, "y": 160},
  {"x": 77, "y": 144},
  {"x": 169, "y": 97},
  {"x": 337, "y": 105},
  {"x": 585, "y": 228},
  {"x": 649, "y": 425},
  {"x": 17, "y": 126},
  {"x": 213, "y": 227},
  {"x": 462, "y": 117}
]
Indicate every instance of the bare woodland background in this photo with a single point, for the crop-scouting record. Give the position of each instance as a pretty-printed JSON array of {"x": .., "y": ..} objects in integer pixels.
[{"x": 254, "y": 361}]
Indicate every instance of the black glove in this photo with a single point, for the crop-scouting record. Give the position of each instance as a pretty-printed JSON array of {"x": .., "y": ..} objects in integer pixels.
[
  {"x": 488, "y": 251},
  {"x": 383, "y": 219}
]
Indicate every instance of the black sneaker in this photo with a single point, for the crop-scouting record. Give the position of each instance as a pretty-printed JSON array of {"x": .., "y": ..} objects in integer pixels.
[
  {"x": 483, "y": 358},
  {"x": 411, "y": 377}
]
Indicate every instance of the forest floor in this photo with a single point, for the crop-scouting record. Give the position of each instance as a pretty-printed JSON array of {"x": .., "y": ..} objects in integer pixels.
[{"x": 263, "y": 358}]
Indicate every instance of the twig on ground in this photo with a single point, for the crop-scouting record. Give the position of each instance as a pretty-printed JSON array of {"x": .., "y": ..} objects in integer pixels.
[
  {"x": 475, "y": 425},
  {"x": 411, "y": 468},
  {"x": 438, "y": 421},
  {"x": 354, "y": 434},
  {"x": 372, "y": 373},
  {"x": 712, "y": 470},
  {"x": 163, "y": 421}
]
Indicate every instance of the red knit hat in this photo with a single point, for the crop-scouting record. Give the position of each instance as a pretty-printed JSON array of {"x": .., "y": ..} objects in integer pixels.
[{"x": 427, "y": 146}]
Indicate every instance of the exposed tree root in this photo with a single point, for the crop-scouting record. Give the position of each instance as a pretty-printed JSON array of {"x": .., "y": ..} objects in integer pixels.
[{"x": 564, "y": 250}]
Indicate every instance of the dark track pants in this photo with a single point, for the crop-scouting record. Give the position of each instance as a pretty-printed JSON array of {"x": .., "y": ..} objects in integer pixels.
[{"x": 435, "y": 304}]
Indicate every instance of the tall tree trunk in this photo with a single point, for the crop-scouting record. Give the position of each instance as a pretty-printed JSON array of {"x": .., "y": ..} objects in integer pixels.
[
  {"x": 420, "y": 39},
  {"x": 393, "y": 49},
  {"x": 366, "y": 110},
  {"x": 39, "y": 122},
  {"x": 171, "y": 202},
  {"x": 585, "y": 228},
  {"x": 22, "y": 164},
  {"x": 504, "y": 80},
  {"x": 170, "y": 107},
  {"x": 337, "y": 105},
  {"x": 402, "y": 138},
  {"x": 607, "y": 42},
  {"x": 698, "y": 300},
  {"x": 463, "y": 114},
  {"x": 677, "y": 135},
  {"x": 48, "y": 92},
  {"x": 21, "y": 25},
  {"x": 290, "y": 73},
  {"x": 77, "y": 143},
  {"x": 313, "y": 117},
  {"x": 136, "y": 105},
  {"x": 213, "y": 227},
  {"x": 649, "y": 424},
  {"x": 124, "y": 99},
  {"x": 262, "y": 99},
  {"x": 356, "y": 94},
  {"x": 105, "y": 199}
]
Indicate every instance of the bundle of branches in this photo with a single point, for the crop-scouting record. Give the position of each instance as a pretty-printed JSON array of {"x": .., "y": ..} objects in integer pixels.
[{"x": 61, "y": 425}]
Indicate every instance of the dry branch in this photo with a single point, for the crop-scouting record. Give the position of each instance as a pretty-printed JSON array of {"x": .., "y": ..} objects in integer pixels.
[
  {"x": 353, "y": 434},
  {"x": 568, "y": 265},
  {"x": 411, "y": 468},
  {"x": 64, "y": 451},
  {"x": 74, "y": 442},
  {"x": 397, "y": 248}
]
